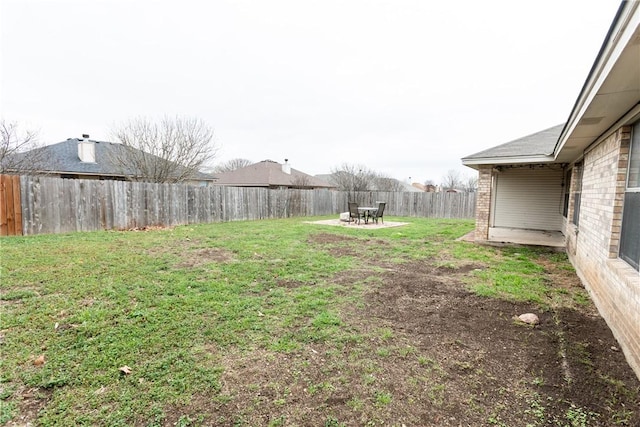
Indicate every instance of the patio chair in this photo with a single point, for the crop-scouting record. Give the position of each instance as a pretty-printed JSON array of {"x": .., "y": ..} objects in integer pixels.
[
  {"x": 354, "y": 213},
  {"x": 378, "y": 213}
]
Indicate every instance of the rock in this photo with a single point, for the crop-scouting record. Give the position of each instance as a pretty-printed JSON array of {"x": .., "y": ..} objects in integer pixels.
[
  {"x": 344, "y": 216},
  {"x": 529, "y": 318},
  {"x": 125, "y": 370},
  {"x": 39, "y": 360}
]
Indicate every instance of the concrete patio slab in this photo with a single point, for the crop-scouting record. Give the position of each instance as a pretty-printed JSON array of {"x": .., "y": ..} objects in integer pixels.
[
  {"x": 554, "y": 239},
  {"x": 362, "y": 225}
]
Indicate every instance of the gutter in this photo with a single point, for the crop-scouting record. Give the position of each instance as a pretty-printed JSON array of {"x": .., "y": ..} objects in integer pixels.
[{"x": 508, "y": 160}]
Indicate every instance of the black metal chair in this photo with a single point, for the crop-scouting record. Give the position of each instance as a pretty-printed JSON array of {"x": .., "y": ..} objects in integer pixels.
[
  {"x": 378, "y": 213},
  {"x": 354, "y": 213}
]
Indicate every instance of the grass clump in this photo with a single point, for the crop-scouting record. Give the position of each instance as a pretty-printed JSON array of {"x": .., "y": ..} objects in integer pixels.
[{"x": 519, "y": 274}]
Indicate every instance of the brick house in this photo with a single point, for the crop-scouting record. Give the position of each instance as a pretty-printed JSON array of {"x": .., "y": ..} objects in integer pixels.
[{"x": 581, "y": 180}]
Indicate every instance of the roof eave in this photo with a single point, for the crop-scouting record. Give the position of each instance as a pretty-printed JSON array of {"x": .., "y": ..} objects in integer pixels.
[{"x": 619, "y": 35}]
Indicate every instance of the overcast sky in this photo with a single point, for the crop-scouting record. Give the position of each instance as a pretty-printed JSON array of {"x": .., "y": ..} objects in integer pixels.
[{"x": 403, "y": 87}]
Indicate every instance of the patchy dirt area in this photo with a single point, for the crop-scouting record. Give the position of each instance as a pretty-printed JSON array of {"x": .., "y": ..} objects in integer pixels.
[
  {"x": 202, "y": 256},
  {"x": 495, "y": 370},
  {"x": 193, "y": 256},
  {"x": 424, "y": 351}
]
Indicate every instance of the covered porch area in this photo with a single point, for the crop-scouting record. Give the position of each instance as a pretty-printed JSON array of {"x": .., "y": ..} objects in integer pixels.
[{"x": 554, "y": 239}]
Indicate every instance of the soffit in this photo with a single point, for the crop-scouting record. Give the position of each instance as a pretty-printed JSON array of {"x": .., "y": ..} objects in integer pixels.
[{"x": 614, "y": 93}]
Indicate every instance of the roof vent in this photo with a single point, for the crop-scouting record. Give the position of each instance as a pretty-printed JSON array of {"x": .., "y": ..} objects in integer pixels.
[{"x": 590, "y": 120}]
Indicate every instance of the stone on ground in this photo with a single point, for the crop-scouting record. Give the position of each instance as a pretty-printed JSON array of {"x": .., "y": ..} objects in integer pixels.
[{"x": 529, "y": 318}]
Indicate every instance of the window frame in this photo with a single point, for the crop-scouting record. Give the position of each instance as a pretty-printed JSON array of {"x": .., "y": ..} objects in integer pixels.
[
  {"x": 578, "y": 169},
  {"x": 631, "y": 197},
  {"x": 567, "y": 195}
]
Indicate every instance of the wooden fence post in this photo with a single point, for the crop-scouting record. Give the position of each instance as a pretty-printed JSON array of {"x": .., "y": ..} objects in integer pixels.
[{"x": 3, "y": 207}]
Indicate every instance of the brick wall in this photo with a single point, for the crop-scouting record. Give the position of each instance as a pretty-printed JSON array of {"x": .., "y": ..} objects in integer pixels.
[
  {"x": 593, "y": 246},
  {"x": 483, "y": 203}
]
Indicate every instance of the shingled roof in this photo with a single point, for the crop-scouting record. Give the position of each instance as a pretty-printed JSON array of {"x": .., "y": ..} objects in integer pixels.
[
  {"x": 538, "y": 146},
  {"x": 268, "y": 173},
  {"x": 63, "y": 158}
]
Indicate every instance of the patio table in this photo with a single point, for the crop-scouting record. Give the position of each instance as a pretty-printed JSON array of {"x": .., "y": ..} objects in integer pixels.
[{"x": 367, "y": 212}]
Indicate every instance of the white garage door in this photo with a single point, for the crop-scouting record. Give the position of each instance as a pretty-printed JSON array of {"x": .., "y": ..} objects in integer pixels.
[{"x": 528, "y": 198}]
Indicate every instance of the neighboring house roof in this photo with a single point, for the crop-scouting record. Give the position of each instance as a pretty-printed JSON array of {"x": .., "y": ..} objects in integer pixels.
[
  {"x": 429, "y": 188},
  {"x": 63, "y": 158},
  {"x": 537, "y": 147},
  {"x": 410, "y": 188},
  {"x": 328, "y": 177},
  {"x": 268, "y": 173}
]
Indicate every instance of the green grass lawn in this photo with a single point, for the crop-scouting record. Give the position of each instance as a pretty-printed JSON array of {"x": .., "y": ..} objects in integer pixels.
[{"x": 171, "y": 303}]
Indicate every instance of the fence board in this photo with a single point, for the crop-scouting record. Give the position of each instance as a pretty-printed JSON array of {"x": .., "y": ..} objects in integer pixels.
[
  {"x": 9, "y": 210},
  {"x": 17, "y": 206},
  {"x": 25, "y": 204},
  {"x": 10, "y": 206},
  {"x": 4, "y": 206}
]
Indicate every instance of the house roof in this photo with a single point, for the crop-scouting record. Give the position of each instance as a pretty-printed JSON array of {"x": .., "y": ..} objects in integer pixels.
[
  {"x": 62, "y": 157},
  {"x": 609, "y": 98},
  {"x": 329, "y": 177},
  {"x": 326, "y": 177},
  {"x": 410, "y": 188},
  {"x": 268, "y": 173},
  {"x": 535, "y": 147}
]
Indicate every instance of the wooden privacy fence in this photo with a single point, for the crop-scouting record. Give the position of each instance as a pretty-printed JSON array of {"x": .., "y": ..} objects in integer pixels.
[{"x": 55, "y": 205}]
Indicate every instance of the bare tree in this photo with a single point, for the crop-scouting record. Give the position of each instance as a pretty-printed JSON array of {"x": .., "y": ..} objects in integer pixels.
[
  {"x": 301, "y": 181},
  {"x": 173, "y": 149},
  {"x": 385, "y": 183},
  {"x": 348, "y": 177},
  {"x": 231, "y": 165},
  {"x": 470, "y": 183},
  {"x": 452, "y": 180},
  {"x": 20, "y": 151}
]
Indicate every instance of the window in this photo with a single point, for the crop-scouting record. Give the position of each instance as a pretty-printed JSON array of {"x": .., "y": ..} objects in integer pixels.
[
  {"x": 566, "y": 183},
  {"x": 630, "y": 233},
  {"x": 577, "y": 192}
]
